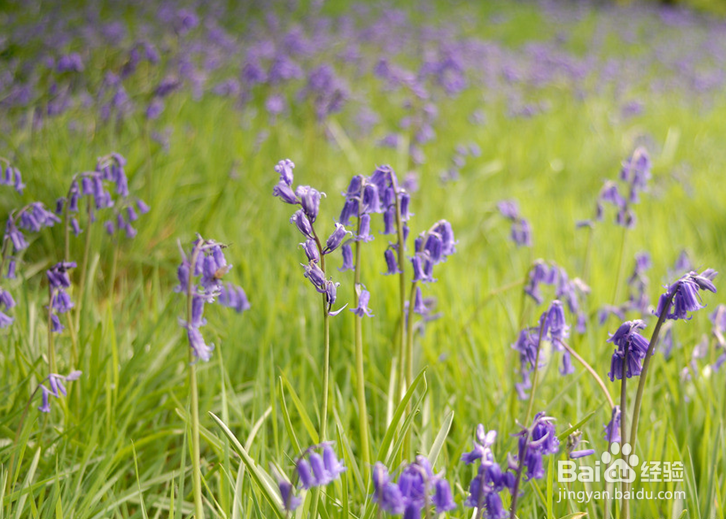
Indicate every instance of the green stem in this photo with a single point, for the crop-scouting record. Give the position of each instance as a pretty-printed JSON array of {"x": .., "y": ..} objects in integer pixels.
[
  {"x": 326, "y": 372},
  {"x": 591, "y": 371},
  {"x": 616, "y": 292},
  {"x": 644, "y": 373},
  {"x": 534, "y": 376},
  {"x": 402, "y": 302},
  {"x": 194, "y": 391},
  {"x": 588, "y": 251},
  {"x": 409, "y": 361},
  {"x": 84, "y": 266},
  {"x": 625, "y": 503},
  {"x": 359, "y": 368}
]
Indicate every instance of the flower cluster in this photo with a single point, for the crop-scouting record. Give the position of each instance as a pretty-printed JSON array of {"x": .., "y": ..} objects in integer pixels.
[
  {"x": 32, "y": 218},
  {"x": 634, "y": 175},
  {"x": 416, "y": 490},
  {"x": 308, "y": 198},
  {"x": 56, "y": 388},
  {"x": 109, "y": 173},
  {"x": 200, "y": 278},
  {"x": 552, "y": 327},
  {"x": 631, "y": 345},
  {"x": 521, "y": 230},
  {"x": 534, "y": 443},
  {"x": 11, "y": 176},
  {"x": 490, "y": 480},
  {"x": 571, "y": 291},
  {"x": 312, "y": 470},
  {"x": 682, "y": 296},
  {"x": 60, "y": 301}
]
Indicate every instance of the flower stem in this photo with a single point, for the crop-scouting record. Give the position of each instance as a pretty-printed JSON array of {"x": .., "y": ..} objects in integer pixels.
[
  {"x": 359, "y": 368},
  {"x": 326, "y": 371},
  {"x": 194, "y": 391},
  {"x": 402, "y": 302},
  {"x": 521, "y": 458},
  {"x": 625, "y": 503},
  {"x": 616, "y": 292},
  {"x": 591, "y": 371},
  {"x": 644, "y": 373},
  {"x": 84, "y": 266},
  {"x": 534, "y": 376},
  {"x": 409, "y": 361}
]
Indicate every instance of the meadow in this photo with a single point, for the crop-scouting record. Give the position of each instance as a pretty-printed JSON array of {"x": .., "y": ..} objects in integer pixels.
[{"x": 562, "y": 162}]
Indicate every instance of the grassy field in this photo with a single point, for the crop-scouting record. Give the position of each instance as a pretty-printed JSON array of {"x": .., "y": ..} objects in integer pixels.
[{"x": 118, "y": 445}]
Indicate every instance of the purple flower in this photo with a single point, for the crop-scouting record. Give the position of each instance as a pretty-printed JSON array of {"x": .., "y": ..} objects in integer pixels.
[
  {"x": 443, "y": 500},
  {"x": 57, "y": 389},
  {"x": 391, "y": 262},
  {"x": 682, "y": 296},
  {"x": 631, "y": 344},
  {"x": 482, "y": 446},
  {"x": 386, "y": 494},
  {"x": 302, "y": 223},
  {"x": 612, "y": 429},
  {"x": 284, "y": 191},
  {"x": 522, "y": 233},
  {"x": 233, "y": 297},
  {"x": 365, "y": 228},
  {"x": 284, "y": 168},
  {"x": 311, "y": 250},
  {"x": 6, "y": 303},
  {"x": 310, "y": 201},
  {"x": 509, "y": 209},
  {"x": 336, "y": 238},
  {"x": 333, "y": 466},
  {"x": 347, "y": 252},
  {"x": 305, "y": 473},
  {"x": 364, "y": 298},
  {"x": 316, "y": 276}
]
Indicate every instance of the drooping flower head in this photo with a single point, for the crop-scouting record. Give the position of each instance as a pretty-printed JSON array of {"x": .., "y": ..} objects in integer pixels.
[
  {"x": 629, "y": 343},
  {"x": 200, "y": 278},
  {"x": 682, "y": 296},
  {"x": 55, "y": 388}
]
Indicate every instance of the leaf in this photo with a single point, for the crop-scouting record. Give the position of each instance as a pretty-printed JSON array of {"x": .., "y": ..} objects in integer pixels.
[
  {"x": 261, "y": 479},
  {"x": 286, "y": 417},
  {"x": 307, "y": 422},
  {"x": 440, "y": 438},
  {"x": 400, "y": 410},
  {"x": 575, "y": 427}
]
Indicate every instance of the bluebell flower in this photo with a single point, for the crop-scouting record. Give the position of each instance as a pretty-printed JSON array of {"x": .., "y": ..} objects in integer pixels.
[
  {"x": 364, "y": 298},
  {"x": 482, "y": 446},
  {"x": 522, "y": 233},
  {"x": 635, "y": 345},
  {"x": 310, "y": 247},
  {"x": 6, "y": 303},
  {"x": 13, "y": 235},
  {"x": 302, "y": 223},
  {"x": 371, "y": 199},
  {"x": 509, "y": 209},
  {"x": 389, "y": 221},
  {"x": 233, "y": 296},
  {"x": 443, "y": 500},
  {"x": 57, "y": 389},
  {"x": 347, "y": 253},
  {"x": 386, "y": 494},
  {"x": 612, "y": 428},
  {"x": 682, "y": 296},
  {"x": 336, "y": 238},
  {"x": 305, "y": 473},
  {"x": 285, "y": 193},
  {"x": 310, "y": 201},
  {"x": 391, "y": 262},
  {"x": 364, "y": 233}
]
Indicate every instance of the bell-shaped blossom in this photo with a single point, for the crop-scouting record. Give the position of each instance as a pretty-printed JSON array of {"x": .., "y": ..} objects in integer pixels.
[
  {"x": 391, "y": 262},
  {"x": 336, "y": 238},
  {"x": 682, "y": 296},
  {"x": 629, "y": 344},
  {"x": 364, "y": 298},
  {"x": 612, "y": 428}
]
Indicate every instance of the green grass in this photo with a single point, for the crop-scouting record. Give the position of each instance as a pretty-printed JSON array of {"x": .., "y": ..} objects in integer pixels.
[{"x": 116, "y": 446}]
